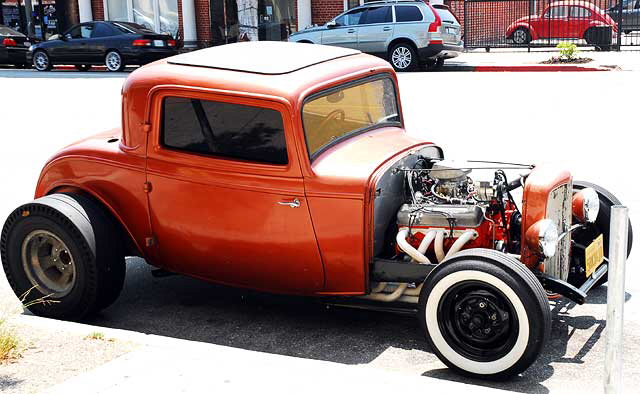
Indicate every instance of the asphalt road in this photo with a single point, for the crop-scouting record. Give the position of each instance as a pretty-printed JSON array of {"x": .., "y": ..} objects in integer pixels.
[{"x": 583, "y": 121}]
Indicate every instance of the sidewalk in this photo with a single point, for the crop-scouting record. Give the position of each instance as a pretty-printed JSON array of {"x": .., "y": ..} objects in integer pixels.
[
  {"x": 168, "y": 365},
  {"x": 502, "y": 60}
]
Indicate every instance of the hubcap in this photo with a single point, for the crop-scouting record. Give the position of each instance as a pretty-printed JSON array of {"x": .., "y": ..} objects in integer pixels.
[
  {"x": 41, "y": 61},
  {"x": 520, "y": 37},
  {"x": 478, "y": 321},
  {"x": 48, "y": 263},
  {"x": 401, "y": 57},
  {"x": 113, "y": 61}
]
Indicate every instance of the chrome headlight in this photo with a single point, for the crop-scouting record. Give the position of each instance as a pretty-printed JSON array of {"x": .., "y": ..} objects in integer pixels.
[
  {"x": 586, "y": 205},
  {"x": 543, "y": 237}
]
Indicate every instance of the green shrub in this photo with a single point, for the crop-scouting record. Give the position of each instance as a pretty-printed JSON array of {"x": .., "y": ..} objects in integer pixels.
[{"x": 568, "y": 50}]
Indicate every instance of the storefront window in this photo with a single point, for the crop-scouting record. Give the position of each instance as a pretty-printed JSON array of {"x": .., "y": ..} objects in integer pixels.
[
  {"x": 168, "y": 16},
  {"x": 143, "y": 13},
  {"x": 40, "y": 22},
  {"x": 157, "y": 15},
  {"x": 117, "y": 10},
  {"x": 252, "y": 20}
]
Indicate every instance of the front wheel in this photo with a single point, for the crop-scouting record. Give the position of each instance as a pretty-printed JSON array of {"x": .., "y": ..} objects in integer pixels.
[
  {"x": 521, "y": 36},
  {"x": 41, "y": 61},
  {"x": 113, "y": 61},
  {"x": 485, "y": 314},
  {"x": 403, "y": 57}
]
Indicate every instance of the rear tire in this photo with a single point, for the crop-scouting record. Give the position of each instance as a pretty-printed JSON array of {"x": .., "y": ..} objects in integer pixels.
[
  {"x": 113, "y": 61},
  {"x": 485, "y": 314},
  {"x": 88, "y": 248},
  {"x": 403, "y": 57}
]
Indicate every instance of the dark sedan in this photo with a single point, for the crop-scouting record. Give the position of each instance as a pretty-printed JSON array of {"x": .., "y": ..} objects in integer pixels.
[
  {"x": 112, "y": 44},
  {"x": 13, "y": 47}
]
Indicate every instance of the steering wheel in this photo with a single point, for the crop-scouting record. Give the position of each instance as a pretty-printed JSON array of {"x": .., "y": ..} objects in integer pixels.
[{"x": 333, "y": 115}]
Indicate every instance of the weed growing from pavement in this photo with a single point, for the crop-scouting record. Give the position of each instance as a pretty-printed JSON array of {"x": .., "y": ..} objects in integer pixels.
[
  {"x": 568, "y": 54},
  {"x": 95, "y": 335}
]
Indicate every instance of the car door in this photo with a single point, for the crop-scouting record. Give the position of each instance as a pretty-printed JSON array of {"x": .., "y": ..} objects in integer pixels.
[
  {"x": 345, "y": 31},
  {"x": 578, "y": 22},
  {"x": 226, "y": 196},
  {"x": 79, "y": 44},
  {"x": 376, "y": 29},
  {"x": 557, "y": 22},
  {"x": 101, "y": 38}
]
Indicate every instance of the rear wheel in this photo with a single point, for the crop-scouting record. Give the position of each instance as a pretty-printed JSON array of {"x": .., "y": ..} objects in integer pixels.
[
  {"x": 521, "y": 36},
  {"x": 403, "y": 57},
  {"x": 485, "y": 314},
  {"x": 83, "y": 67},
  {"x": 113, "y": 61},
  {"x": 66, "y": 249},
  {"x": 41, "y": 61}
]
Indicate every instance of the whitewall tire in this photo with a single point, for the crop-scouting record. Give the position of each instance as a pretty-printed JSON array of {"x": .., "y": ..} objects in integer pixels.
[{"x": 485, "y": 314}]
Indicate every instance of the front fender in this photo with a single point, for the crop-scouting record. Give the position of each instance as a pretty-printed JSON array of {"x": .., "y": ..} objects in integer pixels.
[{"x": 512, "y": 27}]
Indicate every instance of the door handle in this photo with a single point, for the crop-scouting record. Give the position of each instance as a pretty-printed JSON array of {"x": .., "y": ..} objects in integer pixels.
[
  {"x": 386, "y": 28},
  {"x": 293, "y": 204},
  {"x": 351, "y": 31}
]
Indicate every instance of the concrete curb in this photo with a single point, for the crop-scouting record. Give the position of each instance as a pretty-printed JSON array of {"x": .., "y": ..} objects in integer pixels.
[{"x": 525, "y": 68}]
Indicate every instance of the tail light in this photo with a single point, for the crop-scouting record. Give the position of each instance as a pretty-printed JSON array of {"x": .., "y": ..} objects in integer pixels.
[
  {"x": 171, "y": 43},
  {"x": 436, "y": 25},
  {"x": 9, "y": 42},
  {"x": 141, "y": 43}
]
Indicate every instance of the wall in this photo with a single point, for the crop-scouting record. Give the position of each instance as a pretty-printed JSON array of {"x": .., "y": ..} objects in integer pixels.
[
  {"x": 97, "y": 8},
  {"x": 323, "y": 11}
]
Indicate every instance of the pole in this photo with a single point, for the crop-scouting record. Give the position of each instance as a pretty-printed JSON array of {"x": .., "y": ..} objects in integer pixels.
[{"x": 615, "y": 298}]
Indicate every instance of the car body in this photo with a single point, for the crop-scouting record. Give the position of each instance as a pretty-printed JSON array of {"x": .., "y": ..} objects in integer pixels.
[
  {"x": 13, "y": 47},
  {"x": 295, "y": 175},
  {"x": 562, "y": 20},
  {"x": 407, "y": 33},
  {"x": 113, "y": 44},
  {"x": 630, "y": 15}
]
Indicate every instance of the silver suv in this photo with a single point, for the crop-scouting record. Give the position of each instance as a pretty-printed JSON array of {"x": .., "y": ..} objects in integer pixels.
[{"x": 406, "y": 33}]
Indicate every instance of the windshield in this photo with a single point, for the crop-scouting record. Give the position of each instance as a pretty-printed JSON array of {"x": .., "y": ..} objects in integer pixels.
[{"x": 342, "y": 112}]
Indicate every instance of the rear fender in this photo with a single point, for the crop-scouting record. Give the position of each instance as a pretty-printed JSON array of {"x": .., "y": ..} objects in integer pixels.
[{"x": 514, "y": 26}]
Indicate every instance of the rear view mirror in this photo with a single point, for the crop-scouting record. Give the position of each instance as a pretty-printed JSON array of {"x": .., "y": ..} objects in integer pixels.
[{"x": 331, "y": 24}]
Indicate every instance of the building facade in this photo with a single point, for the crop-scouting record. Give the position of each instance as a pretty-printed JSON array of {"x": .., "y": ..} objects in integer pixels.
[{"x": 198, "y": 23}]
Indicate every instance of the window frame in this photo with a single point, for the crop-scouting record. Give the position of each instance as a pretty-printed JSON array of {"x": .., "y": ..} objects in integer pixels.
[
  {"x": 368, "y": 9},
  {"x": 157, "y": 150},
  {"x": 547, "y": 14},
  {"x": 395, "y": 13},
  {"x": 573, "y": 7},
  {"x": 383, "y": 75}
]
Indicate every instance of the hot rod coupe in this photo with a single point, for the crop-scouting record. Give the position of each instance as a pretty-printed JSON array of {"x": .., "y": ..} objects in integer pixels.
[{"x": 294, "y": 174}]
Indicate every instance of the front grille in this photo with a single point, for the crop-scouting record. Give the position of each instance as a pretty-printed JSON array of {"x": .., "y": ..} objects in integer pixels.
[{"x": 559, "y": 211}]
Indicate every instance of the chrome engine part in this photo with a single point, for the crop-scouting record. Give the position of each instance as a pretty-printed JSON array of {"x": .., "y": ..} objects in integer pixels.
[{"x": 439, "y": 215}]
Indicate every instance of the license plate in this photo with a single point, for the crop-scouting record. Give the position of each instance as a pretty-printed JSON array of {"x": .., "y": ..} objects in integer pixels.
[
  {"x": 594, "y": 254},
  {"x": 452, "y": 30},
  {"x": 27, "y": 44},
  {"x": 158, "y": 43}
]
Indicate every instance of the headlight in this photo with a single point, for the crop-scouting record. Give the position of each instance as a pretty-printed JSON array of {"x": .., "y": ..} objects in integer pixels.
[
  {"x": 542, "y": 237},
  {"x": 31, "y": 48},
  {"x": 586, "y": 205}
]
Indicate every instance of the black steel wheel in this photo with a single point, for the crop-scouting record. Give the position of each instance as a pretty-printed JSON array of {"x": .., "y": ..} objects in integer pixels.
[
  {"x": 66, "y": 249},
  {"x": 584, "y": 237},
  {"x": 485, "y": 314},
  {"x": 83, "y": 67},
  {"x": 521, "y": 36}
]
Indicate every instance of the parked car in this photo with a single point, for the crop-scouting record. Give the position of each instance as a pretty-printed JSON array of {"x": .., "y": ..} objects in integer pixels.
[
  {"x": 112, "y": 44},
  {"x": 295, "y": 175},
  {"x": 630, "y": 15},
  {"x": 13, "y": 47},
  {"x": 563, "y": 20},
  {"x": 407, "y": 33}
]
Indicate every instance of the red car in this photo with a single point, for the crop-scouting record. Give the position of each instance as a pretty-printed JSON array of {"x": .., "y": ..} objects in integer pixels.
[{"x": 562, "y": 19}]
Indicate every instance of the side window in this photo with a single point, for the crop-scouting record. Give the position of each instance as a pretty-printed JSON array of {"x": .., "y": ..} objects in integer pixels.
[
  {"x": 557, "y": 12},
  {"x": 377, "y": 15},
  {"x": 86, "y": 30},
  {"x": 579, "y": 12},
  {"x": 101, "y": 30},
  {"x": 75, "y": 32},
  {"x": 351, "y": 18},
  {"x": 409, "y": 13},
  {"x": 225, "y": 130}
]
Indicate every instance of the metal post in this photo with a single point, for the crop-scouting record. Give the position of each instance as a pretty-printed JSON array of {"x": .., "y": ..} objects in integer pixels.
[
  {"x": 615, "y": 298},
  {"x": 619, "y": 23}
]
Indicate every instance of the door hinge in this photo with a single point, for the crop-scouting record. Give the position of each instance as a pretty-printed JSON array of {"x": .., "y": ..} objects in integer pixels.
[
  {"x": 147, "y": 187},
  {"x": 146, "y": 127}
]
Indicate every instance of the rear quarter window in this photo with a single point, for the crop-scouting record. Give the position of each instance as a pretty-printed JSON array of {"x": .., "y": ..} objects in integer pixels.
[
  {"x": 408, "y": 14},
  {"x": 223, "y": 130}
]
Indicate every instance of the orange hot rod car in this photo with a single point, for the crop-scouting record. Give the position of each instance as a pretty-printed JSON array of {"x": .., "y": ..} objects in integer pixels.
[{"x": 293, "y": 174}]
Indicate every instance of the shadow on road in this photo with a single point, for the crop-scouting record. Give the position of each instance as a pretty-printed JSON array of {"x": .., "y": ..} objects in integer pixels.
[{"x": 186, "y": 308}]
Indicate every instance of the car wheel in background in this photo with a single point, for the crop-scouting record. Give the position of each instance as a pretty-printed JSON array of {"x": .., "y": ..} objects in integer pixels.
[
  {"x": 83, "y": 67},
  {"x": 485, "y": 314},
  {"x": 403, "y": 57},
  {"x": 113, "y": 61},
  {"x": 41, "y": 61},
  {"x": 521, "y": 36}
]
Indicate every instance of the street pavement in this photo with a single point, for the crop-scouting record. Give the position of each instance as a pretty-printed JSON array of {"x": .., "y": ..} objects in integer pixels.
[{"x": 583, "y": 121}]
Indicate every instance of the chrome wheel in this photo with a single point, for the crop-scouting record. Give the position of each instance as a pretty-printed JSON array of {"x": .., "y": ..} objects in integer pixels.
[
  {"x": 48, "y": 263},
  {"x": 520, "y": 36},
  {"x": 401, "y": 57},
  {"x": 41, "y": 61},
  {"x": 113, "y": 61}
]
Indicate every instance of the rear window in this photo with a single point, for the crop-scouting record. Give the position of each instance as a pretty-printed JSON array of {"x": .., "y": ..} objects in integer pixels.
[
  {"x": 579, "y": 12},
  {"x": 131, "y": 28},
  {"x": 446, "y": 15},
  {"x": 408, "y": 14},
  {"x": 377, "y": 15}
]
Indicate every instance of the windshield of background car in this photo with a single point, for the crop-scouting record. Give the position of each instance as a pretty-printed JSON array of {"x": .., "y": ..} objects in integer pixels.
[{"x": 339, "y": 113}]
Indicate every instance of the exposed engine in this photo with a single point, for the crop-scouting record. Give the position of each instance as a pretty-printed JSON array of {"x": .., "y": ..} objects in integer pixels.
[{"x": 446, "y": 211}]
